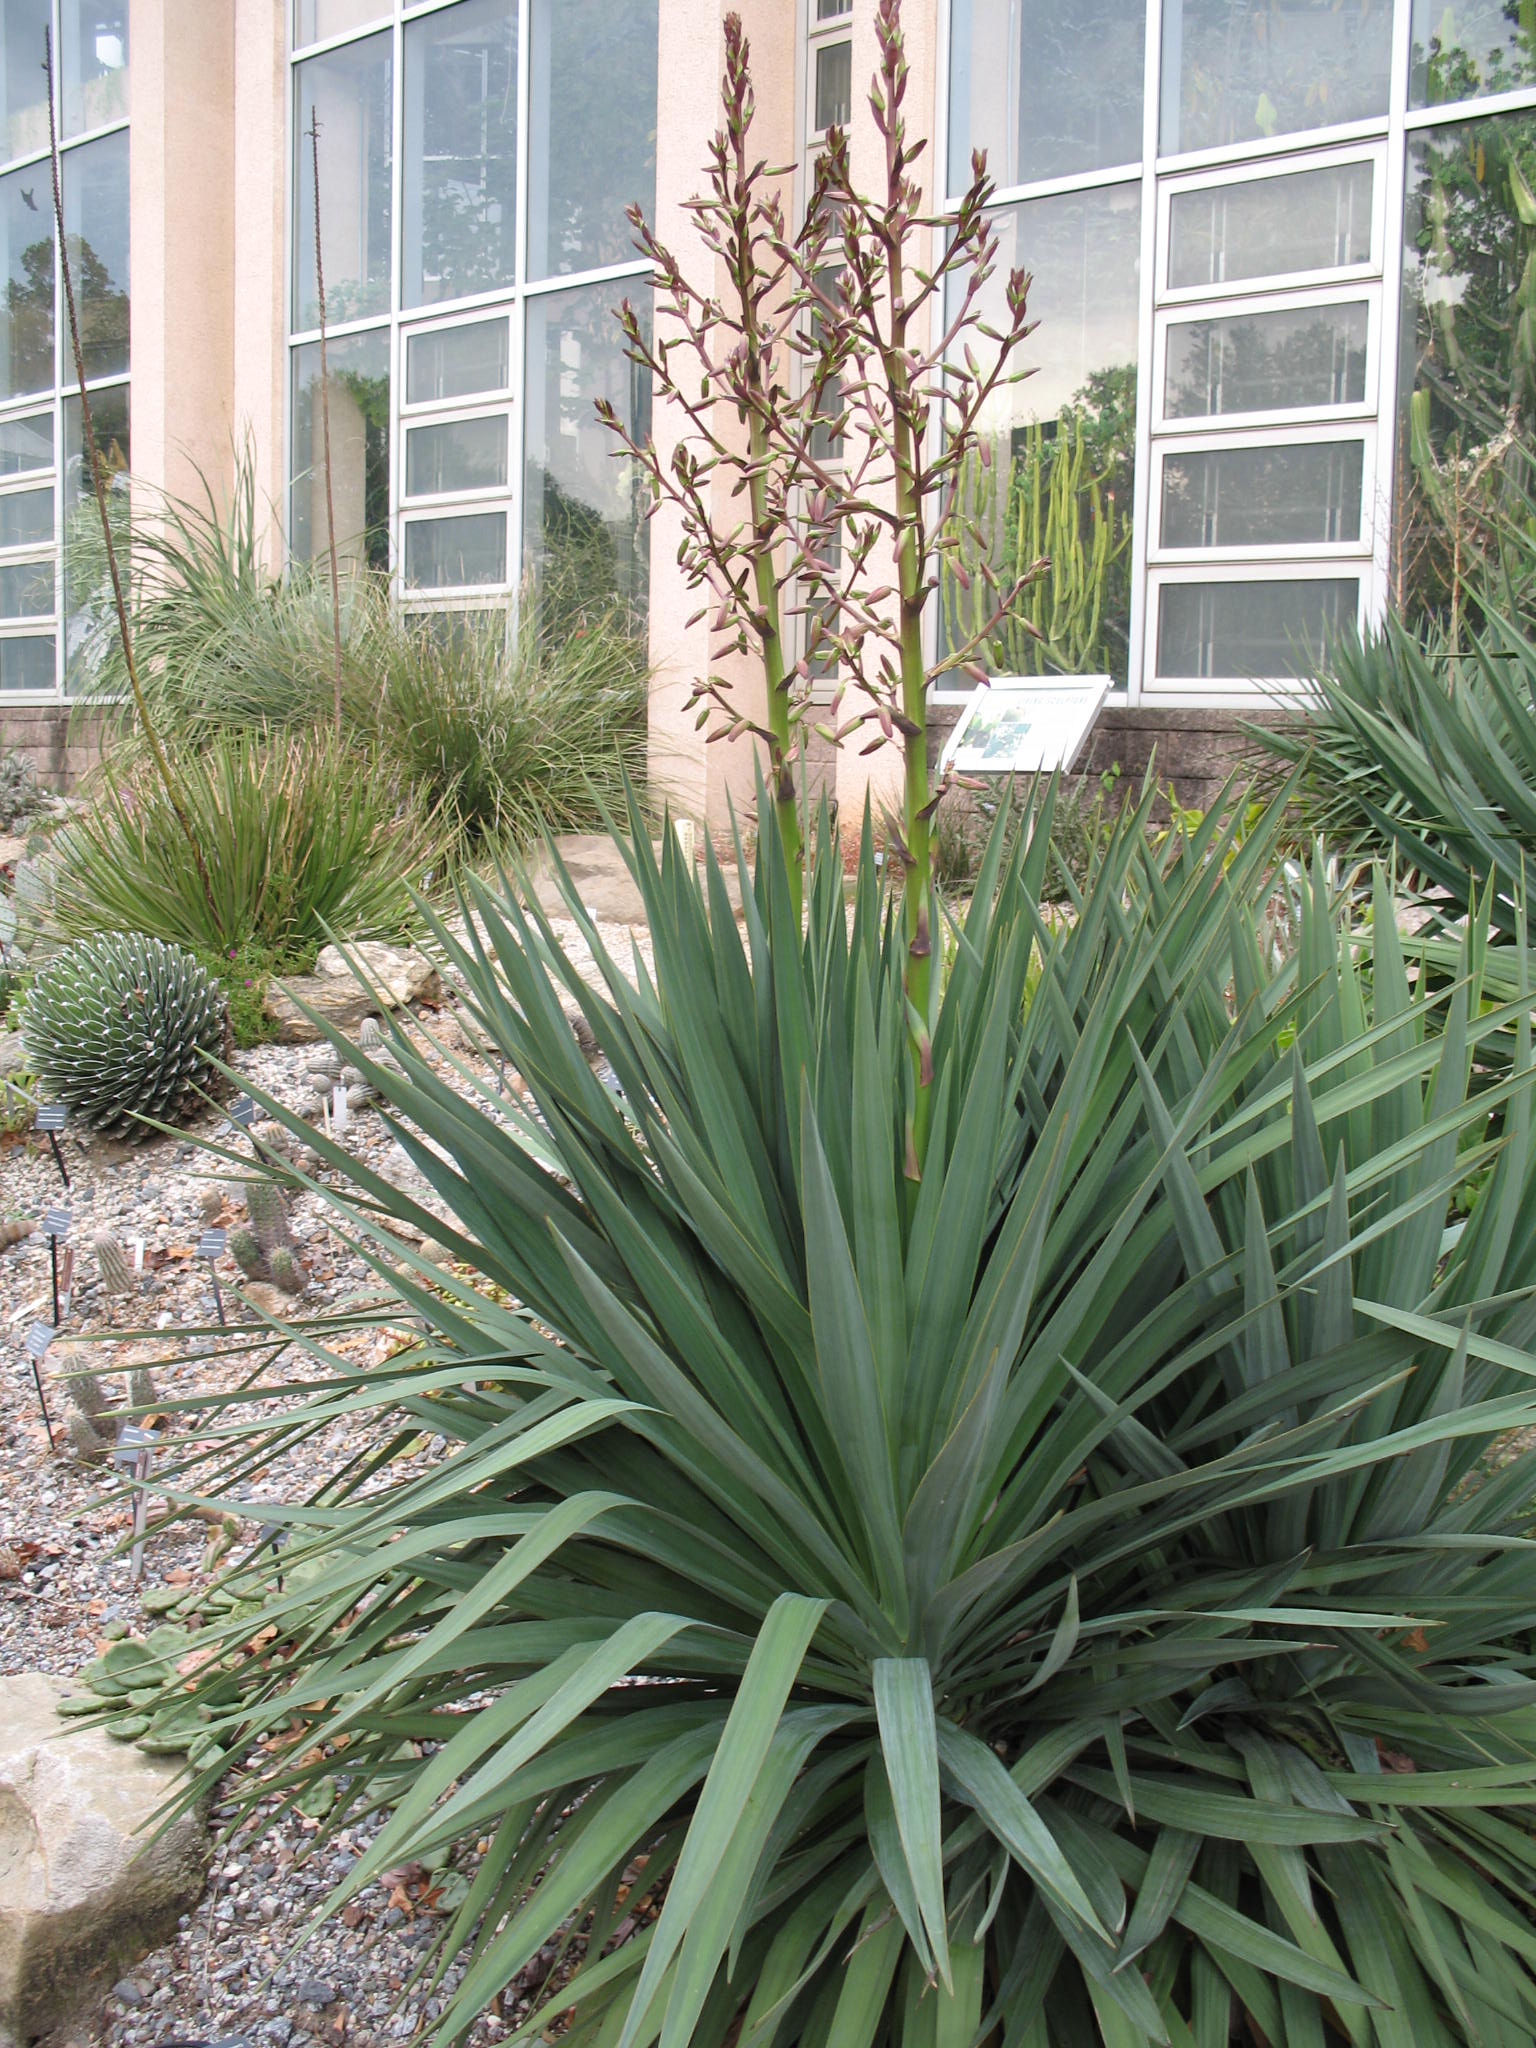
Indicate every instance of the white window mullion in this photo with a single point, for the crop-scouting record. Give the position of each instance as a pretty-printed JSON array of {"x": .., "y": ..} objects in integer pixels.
[{"x": 1141, "y": 484}]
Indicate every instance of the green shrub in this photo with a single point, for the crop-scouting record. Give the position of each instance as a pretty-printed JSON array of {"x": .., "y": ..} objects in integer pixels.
[
  {"x": 510, "y": 731},
  {"x": 1046, "y": 1601},
  {"x": 122, "y": 1027},
  {"x": 303, "y": 839},
  {"x": 509, "y": 727}
]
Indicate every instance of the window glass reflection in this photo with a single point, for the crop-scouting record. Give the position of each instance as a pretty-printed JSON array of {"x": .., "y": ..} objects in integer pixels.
[
  {"x": 23, "y": 87},
  {"x": 1299, "y": 358},
  {"x": 1063, "y": 441},
  {"x": 1045, "y": 89},
  {"x": 593, "y": 147},
  {"x": 93, "y": 63},
  {"x": 90, "y": 619},
  {"x": 96, "y": 228},
  {"x": 1263, "y": 497},
  {"x": 460, "y": 169},
  {"x": 456, "y": 554},
  {"x": 1467, "y": 376},
  {"x": 26, "y": 590},
  {"x": 1263, "y": 631},
  {"x": 26, "y": 444},
  {"x": 582, "y": 505},
  {"x": 26, "y": 311},
  {"x": 359, "y": 406},
  {"x": 457, "y": 455},
  {"x": 26, "y": 518},
  {"x": 1464, "y": 52},
  {"x": 27, "y": 664},
  {"x": 316, "y": 21},
  {"x": 456, "y": 362},
  {"x": 1270, "y": 227},
  {"x": 348, "y": 92},
  {"x": 1244, "y": 70}
]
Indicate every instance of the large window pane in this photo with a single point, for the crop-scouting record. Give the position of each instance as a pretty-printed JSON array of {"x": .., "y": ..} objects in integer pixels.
[
  {"x": 1264, "y": 631},
  {"x": 316, "y": 21},
  {"x": 26, "y": 311},
  {"x": 23, "y": 90},
  {"x": 1270, "y": 227},
  {"x": 458, "y": 455},
  {"x": 456, "y": 554},
  {"x": 89, "y": 615},
  {"x": 26, "y": 518},
  {"x": 348, "y": 91},
  {"x": 1258, "y": 497},
  {"x": 1045, "y": 87},
  {"x": 1239, "y": 70},
  {"x": 96, "y": 228},
  {"x": 456, "y": 362},
  {"x": 27, "y": 664},
  {"x": 1063, "y": 440},
  {"x": 1460, "y": 53},
  {"x": 593, "y": 147},
  {"x": 834, "y": 85},
  {"x": 460, "y": 170},
  {"x": 1301, "y": 358},
  {"x": 1466, "y": 375},
  {"x": 26, "y": 590},
  {"x": 359, "y": 407},
  {"x": 582, "y": 504},
  {"x": 26, "y": 443},
  {"x": 94, "y": 63}
]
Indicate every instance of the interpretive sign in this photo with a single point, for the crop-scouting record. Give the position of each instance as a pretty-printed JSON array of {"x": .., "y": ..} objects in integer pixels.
[{"x": 1016, "y": 727}]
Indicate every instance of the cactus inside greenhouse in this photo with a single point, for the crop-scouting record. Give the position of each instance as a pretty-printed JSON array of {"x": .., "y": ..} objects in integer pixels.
[{"x": 123, "y": 1028}]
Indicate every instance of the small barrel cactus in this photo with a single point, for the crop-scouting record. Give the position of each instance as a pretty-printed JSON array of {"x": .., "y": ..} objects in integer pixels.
[
  {"x": 113, "y": 1264},
  {"x": 247, "y": 1254},
  {"x": 283, "y": 1264},
  {"x": 122, "y": 1027}
]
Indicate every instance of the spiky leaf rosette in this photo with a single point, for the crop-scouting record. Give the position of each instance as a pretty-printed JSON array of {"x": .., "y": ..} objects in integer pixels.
[{"x": 121, "y": 1028}]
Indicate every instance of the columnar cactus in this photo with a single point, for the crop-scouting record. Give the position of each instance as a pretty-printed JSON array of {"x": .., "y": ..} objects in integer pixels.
[
  {"x": 113, "y": 1264},
  {"x": 122, "y": 1028}
]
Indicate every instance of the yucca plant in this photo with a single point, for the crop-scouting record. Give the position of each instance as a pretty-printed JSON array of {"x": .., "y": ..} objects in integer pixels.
[
  {"x": 1428, "y": 747},
  {"x": 1059, "y": 1601}
]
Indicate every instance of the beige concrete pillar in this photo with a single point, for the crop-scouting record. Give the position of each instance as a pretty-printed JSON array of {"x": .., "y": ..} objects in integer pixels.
[
  {"x": 181, "y": 184},
  {"x": 260, "y": 281},
  {"x": 703, "y": 780}
]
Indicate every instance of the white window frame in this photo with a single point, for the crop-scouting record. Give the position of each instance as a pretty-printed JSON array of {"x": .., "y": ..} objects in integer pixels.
[
  {"x": 1191, "y": 693},
  {"x": 442, "y": 596},
  {"x": 1363, "y": 432},
  {"x": 1171, "y": 188},
  {"x": 453, "y": 416},
  {"x": 1258, "y": 304}
]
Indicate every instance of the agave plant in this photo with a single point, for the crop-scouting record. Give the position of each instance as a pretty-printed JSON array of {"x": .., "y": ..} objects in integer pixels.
[
  {"x": 1057, "y": 1599},
  {"x": 1428, "y": 747}
]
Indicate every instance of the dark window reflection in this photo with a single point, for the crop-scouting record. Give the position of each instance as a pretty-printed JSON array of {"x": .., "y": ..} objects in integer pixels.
[
  {"x": 96, "y": 232},
  {"x": 26, "y": 316},
  {"x": 1257, "y": 497},
  {"x": 1260, "y": 630},
  {"x": 89, "y": 616}
]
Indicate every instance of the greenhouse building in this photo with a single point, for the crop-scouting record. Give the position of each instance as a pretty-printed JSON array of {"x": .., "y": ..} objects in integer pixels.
[{"x": 1284, "y": 273}]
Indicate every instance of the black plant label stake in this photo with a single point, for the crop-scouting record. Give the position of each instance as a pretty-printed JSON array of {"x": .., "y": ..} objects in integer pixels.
[
  {"x": 210, "y": 1246},
  {"x": 56, "y": 1228},
  {"x": 38, "y": 1338},
  {"x": 50, "y": 1120}
]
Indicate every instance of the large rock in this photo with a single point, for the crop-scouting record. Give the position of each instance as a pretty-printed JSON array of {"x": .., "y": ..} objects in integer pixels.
[
  {"x": 84, "y": 1892},
  {"x": 392, "y": 976}
]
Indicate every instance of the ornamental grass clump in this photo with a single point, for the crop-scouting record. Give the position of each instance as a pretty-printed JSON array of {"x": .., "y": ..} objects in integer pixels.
[{"x": 967, "y": 1514}]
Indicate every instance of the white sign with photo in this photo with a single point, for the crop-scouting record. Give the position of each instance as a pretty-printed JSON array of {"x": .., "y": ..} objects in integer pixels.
[{"x": 1025, "y": 726}]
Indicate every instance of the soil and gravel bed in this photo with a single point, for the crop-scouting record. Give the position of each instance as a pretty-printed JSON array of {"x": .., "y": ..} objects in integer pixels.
[{"x": 65, "y": 1579}]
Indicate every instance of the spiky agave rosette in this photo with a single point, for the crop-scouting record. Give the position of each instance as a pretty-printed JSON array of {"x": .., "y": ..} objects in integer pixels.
[{"x": 122, "y": 1028}]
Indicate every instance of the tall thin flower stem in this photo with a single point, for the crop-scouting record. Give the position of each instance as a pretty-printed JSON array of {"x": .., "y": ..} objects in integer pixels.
[
  {"x": 99, "y": 488},
  {"x": 325, "y": 421}
]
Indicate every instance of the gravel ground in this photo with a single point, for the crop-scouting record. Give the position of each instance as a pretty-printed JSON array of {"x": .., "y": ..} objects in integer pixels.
[{"x": 65, "y": 1579}]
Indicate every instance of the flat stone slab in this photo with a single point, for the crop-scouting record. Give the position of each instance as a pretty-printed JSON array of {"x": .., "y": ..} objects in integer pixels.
[
  {"x": 84, "y": 1889},
  {"x": 393, "y": 975}
]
